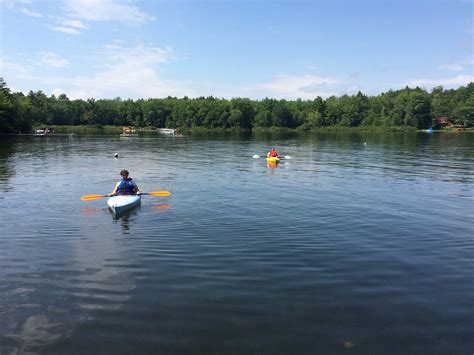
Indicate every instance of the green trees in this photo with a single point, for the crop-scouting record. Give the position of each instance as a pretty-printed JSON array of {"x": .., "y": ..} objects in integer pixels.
[
  {"x": 14, "y": 110},
  {"x": 246, "y": 115},
  {"x": 353, "y": 109},
  {"x": 457, "y": 105},
  {"x": 281, "y": 115},
  {"x": 333, "y": 111},
  {"x": 408, "y": 107},
  {"x": 6, "y": 107},
  {"x": 463, "y": 112},
  {"x": 418, "y": 109}
]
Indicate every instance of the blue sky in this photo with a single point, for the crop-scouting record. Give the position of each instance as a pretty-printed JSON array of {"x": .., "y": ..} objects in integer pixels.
[{"x": 229, "y": 48}]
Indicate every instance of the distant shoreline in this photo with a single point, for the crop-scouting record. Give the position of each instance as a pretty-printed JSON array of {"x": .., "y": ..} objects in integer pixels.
[{"x": 115, "y": 130}]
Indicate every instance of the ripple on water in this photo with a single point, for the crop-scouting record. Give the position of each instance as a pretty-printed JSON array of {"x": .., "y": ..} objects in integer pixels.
[{"x": 374, "y": 243}]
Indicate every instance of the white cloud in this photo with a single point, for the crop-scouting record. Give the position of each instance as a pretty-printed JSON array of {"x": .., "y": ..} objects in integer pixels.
[
  {"x": 57, "y": 92},
  {"x": 67, "y": 30},
  {"x": 12, "y": 4},
  {"x": 458, "y": 65},
  {"x": 305, "y": 86},
  {"x": 27, "y": 12},
  {"x": 73, "y": 23},
  {"x": 447, "y": 82},
  {"x": 452, "y": 67},
  {"x": 106, "y": 10},
  {"x": 53, "y": 60},
  {"x": 78, "y": 12},
  {"x": 70, "y": 26},
  {"x": 128, "y": 72},
  {"x": 7, "y": 3},
  {"x": 14, "y": 70},
  {"x": 140, "y": 55}
]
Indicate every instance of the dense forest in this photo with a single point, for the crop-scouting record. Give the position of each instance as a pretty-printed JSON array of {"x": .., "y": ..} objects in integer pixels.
[{"x": 409, "y": 107}]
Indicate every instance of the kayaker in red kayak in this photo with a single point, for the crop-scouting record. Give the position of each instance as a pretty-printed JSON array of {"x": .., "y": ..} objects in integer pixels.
[
  {"x": 273, "y": 153},
  {"x": 126, "y": 186}
]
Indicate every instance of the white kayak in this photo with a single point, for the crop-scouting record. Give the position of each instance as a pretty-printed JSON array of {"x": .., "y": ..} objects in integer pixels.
[{"x": 123, "y": 203}]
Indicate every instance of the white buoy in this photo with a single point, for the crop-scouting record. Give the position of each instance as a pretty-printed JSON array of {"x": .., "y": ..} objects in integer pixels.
[
  {"x": 365, "y": 143},
  {"x": 116, "y": 155}
]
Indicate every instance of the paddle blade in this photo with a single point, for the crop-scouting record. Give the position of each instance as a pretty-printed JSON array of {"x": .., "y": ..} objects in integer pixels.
[
  {"x": 158, "y": 193},
  {"x": 256, "y": 156},
  {"x": 91, "y": 197},
  {"x": 287, "y": 157}
]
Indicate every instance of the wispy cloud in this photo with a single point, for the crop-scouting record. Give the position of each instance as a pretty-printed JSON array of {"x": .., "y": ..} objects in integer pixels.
[
  {"x": 78, "y": 13},
  {"x": 70, "y": 26},
  {"x": 53, "y": 60},
  {"x": 305, "y": 86},
  {"x": 68, "y": 30},
  {"x": 124, "y": 71},
  {"x": 8, "y": 69},
  {"x": 27, "y": 12},
  {"x": 140, "y": 55},
  {"x": 448, "y": 82},
  {"x": 7, "y": 3},
  {"x": 128, "y": 72},
  {"x": 453, "y": 67},
  {"x": 458, "y": 65},
  {"x": 106, "y": 10},
  {"x": 73, "y": 23},
  {"x": 15, "y": 4}
]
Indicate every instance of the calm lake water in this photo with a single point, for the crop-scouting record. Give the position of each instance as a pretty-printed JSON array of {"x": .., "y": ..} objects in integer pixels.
[{"x": 346, "y": 248}]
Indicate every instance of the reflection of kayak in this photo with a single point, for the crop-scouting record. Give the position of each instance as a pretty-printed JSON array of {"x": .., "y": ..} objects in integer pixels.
[
  {"x": 122, "y": 203},
  {"x": 273, "y": 160}
]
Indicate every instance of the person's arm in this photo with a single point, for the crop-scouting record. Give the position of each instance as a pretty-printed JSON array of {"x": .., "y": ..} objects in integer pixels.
[
  {"x": 113, "y": 193},
  {"x": 136, "y": 189}
]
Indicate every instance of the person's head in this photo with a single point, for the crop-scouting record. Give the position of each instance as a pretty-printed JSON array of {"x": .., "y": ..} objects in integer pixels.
[{"x": 124, "y": 174}]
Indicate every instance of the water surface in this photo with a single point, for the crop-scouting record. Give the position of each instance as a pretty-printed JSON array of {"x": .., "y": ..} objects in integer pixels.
[{"x": 360, "y": 243}]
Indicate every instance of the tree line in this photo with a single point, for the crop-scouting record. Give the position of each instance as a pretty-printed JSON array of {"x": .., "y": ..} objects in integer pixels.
[{"x": 408, "y": 107}]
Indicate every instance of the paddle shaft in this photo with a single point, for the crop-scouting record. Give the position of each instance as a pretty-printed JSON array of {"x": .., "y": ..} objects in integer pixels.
[{"x": 153, "y": 193}]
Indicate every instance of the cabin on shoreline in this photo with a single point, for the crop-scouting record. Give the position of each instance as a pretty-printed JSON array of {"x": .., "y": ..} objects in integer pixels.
[{"x": 444, "y": 121}]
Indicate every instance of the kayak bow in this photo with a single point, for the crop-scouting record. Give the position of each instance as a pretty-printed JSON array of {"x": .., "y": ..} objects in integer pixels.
[
  {"x": 273, "y": 160},
  {"x": 122, "y": 203}
]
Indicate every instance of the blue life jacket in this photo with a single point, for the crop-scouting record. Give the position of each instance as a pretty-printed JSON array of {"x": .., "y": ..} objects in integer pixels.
[{"x": 126, "y": 187}]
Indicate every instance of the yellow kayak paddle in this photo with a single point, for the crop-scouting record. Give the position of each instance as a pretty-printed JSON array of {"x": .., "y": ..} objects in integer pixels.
[{"x": 153, "y": 193}]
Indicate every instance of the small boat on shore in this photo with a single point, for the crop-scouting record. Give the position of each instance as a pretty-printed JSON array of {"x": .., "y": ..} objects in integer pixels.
[
  {"x": 128, "y": 131},
  {"x": 43, "y": 132},
  {"x": 170, "y": 131}
]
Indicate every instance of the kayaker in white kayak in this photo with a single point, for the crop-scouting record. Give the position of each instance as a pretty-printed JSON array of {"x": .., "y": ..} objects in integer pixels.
[
  {"x": 273, "y": 153},
  {"x": 126, "y": 186}
]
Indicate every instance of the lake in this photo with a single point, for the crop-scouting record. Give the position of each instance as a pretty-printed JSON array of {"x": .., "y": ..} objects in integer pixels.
[{"x": 360, "y": 243}]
